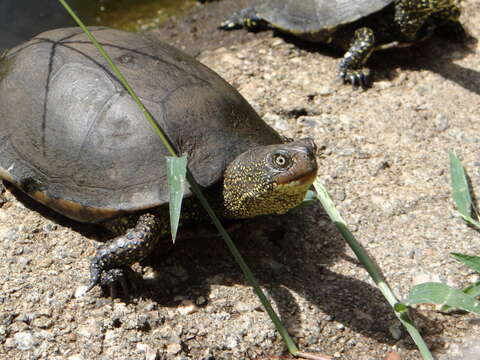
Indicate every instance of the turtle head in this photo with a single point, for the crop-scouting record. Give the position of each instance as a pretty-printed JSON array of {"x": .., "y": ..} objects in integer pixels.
[{"x": 269, "y": 179}]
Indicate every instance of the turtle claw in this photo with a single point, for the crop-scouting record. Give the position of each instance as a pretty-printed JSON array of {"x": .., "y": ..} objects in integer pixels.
[
  {"x": 113, "y": 280},
  {"x": 229, "y": 25},
  {"x": 358, "y": 78},
  {"x": 125, "y": 277}
]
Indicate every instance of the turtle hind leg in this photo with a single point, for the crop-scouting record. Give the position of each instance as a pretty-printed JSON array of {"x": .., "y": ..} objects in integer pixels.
[
  {"x": 246, "y": 18},
  {"x": 351, "y": 68},
  {"x": 110, "y": 266}
]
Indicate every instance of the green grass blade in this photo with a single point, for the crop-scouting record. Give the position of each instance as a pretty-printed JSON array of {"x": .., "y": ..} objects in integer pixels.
[
  {"x": 245, "y": 269},
  {"x": 400, "y": 310},
  {"x": 471, "y": 221},
  {"x": 442, "y": 294},
  {"x": 460, "y": 188},
  {"x": 473, "y": 262},
  {"x": 176, "y": 172},
  {"x": 473, "y": 290},
  {"x": 310, "y": 197}
]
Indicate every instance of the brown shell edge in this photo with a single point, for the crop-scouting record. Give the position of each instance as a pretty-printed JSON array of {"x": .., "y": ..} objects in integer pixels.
[{"x": 68, "y": 208}]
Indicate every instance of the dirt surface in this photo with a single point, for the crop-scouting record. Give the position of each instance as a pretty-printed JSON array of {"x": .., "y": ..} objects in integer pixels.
[{"x": 383, "y": 158}]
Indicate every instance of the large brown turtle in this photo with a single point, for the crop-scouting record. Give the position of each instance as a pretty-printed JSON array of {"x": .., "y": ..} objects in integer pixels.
[
  {"x": 357, "y": 27},
  {"x": 72, "y": 138}
]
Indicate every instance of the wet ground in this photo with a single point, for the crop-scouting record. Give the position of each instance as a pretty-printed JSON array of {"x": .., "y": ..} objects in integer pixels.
[{"x": 20, "y": 21}]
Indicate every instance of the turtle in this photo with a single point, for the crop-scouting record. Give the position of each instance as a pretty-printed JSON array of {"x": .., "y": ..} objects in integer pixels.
[
  {"x": 357, "y": 27},
  {"x": 72, "y": 138}
]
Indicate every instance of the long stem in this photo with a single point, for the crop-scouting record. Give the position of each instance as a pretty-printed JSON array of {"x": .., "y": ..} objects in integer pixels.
[{"x": 372, "y": 269}]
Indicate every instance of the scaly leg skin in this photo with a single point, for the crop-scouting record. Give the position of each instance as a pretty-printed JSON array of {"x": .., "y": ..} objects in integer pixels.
[
  {"x": 111, "y": 263},
  {"x": 246, "y": 18},
  {"x": 351, "y": 67}
]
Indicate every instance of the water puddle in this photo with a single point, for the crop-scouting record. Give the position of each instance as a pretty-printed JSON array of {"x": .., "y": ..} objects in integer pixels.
[
  {"x": 132, "y": 15},
  {"x": 21, "y": 20}
]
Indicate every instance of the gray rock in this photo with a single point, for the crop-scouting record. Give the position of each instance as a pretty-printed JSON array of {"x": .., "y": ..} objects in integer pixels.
[
  {"x": 441, "y": 123},
  {"x": 25, "y": 340},
  {"x": 174, "y": 349}
]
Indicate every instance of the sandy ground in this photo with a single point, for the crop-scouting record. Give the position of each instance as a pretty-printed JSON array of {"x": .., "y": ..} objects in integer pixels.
[{"x": 383, "y": 157}]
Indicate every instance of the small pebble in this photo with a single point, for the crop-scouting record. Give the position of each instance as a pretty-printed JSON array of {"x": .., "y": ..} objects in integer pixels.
[
  {"x": 325, "y": 90},
  {"x": 141, "y": 347},
  {"x": 396, "y": 330},
  {"x": 25, "y": 340},
  {"x": 231, "y": 342},
  {"x": 310, "y": 121},
  {"x": 173, "y": 349},
  {"x": 152, "y": 354},
  {"x": 393, "y": 356},
  {"x": 80, "y": 291},
  {"x": 383, "y": 84},
  {"x": 187, "y": 307},
  {"x": 441, "y": 123},
  {"x": 76, "y": 357},
  {"x": 200, "y": 300}
]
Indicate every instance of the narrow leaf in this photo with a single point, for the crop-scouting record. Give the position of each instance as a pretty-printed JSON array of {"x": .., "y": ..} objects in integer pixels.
[
  {"x": 400, "y": 307},
  {"x": 473, "y": 262},
  {"x": 471, "y": 290},
  {"x": 471, "y": 221},
  {"x": 176, "y": 172},
  {"x": 441, "y": 294},
  {"x": 310, "y": 197},
  {"x": 460, "y": 188},
  {"x": 372, "y": 268}
]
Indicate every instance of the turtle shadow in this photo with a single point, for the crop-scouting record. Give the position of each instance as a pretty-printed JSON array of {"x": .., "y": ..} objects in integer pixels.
[
  {"x": 436, "y": 54},
  {"x": 439, "y": 57},
  {"x": 288, "y": 254}
]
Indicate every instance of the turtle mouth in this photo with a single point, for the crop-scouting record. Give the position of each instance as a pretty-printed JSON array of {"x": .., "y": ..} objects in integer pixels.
[{"x": 305, "y": 179}]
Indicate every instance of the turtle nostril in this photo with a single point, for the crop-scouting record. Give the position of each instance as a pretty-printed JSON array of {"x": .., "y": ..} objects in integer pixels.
[{"x": 310, "y": 145}]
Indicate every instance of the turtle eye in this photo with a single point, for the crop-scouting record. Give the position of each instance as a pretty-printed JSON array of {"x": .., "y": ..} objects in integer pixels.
[{"x": 281, "y": 160}]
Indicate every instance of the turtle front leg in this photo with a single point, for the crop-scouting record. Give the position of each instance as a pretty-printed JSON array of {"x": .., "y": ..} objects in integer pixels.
[
  {"x": 111, "y": 263},
  {"x": 351, "y": 67},
  {"x": 246, "y": 18}
]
